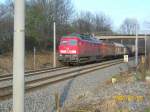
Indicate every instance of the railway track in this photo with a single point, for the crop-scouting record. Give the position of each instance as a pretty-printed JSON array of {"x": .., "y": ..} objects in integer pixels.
[
  {"x": 30, "y": 85},
  {"x": 31, "y": 73}
]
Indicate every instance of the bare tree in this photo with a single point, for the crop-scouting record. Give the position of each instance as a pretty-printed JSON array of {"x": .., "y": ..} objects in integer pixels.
[
  {"x": 6, "y": 25},
  {"x": 102, "y": 23},
  {"x": 84, "y": 22},
  {"x": 40, "y": 17},
  {"x": 92, "y": 23},
  {"x": 129, "y": 26}
]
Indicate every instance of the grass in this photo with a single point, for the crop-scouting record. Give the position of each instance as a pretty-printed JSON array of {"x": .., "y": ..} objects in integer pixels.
[
  {"x": 43, "y": 59},
  {"x": 139, "y": 74},
  {"x": 147, "y": 110},
  {"x": 57, "y": 102},
  {"x": 143, "y": 69},
  {"x": 107, "y": 105}
]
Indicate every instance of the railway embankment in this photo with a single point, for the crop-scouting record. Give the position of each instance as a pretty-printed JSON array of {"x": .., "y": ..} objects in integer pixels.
[
  {"x": 92, "y": 92},
  {"x": 125, "y": 92},
  {"x": 119, "y": 97}
]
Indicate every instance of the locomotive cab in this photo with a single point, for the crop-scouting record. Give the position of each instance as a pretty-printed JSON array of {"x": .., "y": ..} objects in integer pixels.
[{"x": 68, "y": 49}]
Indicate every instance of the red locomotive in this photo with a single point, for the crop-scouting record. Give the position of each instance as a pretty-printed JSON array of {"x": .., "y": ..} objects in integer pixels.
[{"x": 81, "y": 48}]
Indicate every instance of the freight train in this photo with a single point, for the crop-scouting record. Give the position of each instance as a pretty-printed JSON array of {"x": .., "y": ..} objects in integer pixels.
[{"x": 81, "y": 48}]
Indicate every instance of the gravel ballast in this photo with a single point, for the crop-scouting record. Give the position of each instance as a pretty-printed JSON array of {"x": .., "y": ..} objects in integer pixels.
[{"x": 73, "y": 90}]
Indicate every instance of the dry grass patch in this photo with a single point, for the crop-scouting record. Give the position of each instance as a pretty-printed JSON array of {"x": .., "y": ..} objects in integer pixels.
[
  {"x": 107, "y": 105},
  {"x": 5, "y": 63},
  {"x": 43, "y": 60}
]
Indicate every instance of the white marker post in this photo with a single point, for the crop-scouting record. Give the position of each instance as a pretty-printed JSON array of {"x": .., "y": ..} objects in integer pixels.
[
  {"x": 54, "y": 46},
  {"x": 126, "y": 58},
  {"x": 34, "y": 57},
  {"x": 18, "y": 56}
]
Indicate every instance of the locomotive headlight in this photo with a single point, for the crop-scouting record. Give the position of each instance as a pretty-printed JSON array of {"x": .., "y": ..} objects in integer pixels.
[
  {"x": 73, "y": 51},
  {"x": 63, "y": 51}
]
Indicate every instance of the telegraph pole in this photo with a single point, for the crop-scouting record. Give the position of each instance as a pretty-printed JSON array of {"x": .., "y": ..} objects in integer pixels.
[
  {"x": 145, "y": 46},
  {"x": 146, "y": 24},
  {"x": 18, "y": 56},
  {"x": 54, "y": 36},
  {"x": 136, "y": 47},
  {"x": 54, "y": 45},
  {"x": 34, "y": 57}
]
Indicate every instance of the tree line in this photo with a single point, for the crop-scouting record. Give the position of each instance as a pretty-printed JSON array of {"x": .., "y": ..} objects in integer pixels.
[{"x": 40, "y": 15}]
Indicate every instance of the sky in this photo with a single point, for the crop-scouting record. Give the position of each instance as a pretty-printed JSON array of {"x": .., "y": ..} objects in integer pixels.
[
  {"x": 117, "y": 10},
  {"x": 2, "y": 1}
]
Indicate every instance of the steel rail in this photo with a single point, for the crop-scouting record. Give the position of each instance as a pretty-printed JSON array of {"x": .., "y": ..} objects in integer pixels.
[
  {"x": 29, "y": 73},
  {"x": 6, "y": 92}
]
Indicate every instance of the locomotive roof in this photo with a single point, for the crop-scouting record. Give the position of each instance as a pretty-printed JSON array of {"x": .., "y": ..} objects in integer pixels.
[
  {"x": 83, "y": 36},
  {"x": 118, "y": 44}
]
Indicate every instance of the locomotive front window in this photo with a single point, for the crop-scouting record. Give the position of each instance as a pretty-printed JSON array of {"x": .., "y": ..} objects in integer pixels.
[
  {"x": 69, "y": 42},
  {"x": 73, "y": 42},
  {"x": 63, "y": 42}
]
